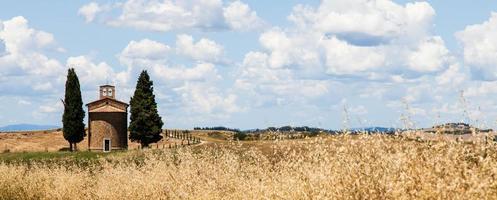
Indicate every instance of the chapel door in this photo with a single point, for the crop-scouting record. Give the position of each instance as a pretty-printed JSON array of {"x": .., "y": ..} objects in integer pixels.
[{"x": 106, "y": 145}]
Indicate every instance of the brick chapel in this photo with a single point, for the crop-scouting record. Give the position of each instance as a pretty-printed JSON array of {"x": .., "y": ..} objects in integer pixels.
[{"x": 107, "y": 122}]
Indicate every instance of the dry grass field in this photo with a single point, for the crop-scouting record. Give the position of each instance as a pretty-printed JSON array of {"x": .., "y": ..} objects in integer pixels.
[
  {"x": 468, "y": 138},
  {"x": 52, "y": 140},
  {"x": 333, "y": 167}
]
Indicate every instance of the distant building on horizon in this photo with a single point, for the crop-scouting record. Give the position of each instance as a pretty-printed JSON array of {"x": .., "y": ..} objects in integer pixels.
[
  {"x": 456, "y": 128},
  {"x": 107, "y": 122}
]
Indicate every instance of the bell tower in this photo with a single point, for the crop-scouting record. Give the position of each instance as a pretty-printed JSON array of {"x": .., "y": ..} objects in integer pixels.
[{"x": 107, "y": 91}]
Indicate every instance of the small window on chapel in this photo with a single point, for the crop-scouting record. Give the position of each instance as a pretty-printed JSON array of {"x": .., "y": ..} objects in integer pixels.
[{"x": 107, "y": 92}]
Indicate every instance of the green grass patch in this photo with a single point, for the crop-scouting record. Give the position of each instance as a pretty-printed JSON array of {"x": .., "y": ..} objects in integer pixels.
[{"x": 46, "y": 156}]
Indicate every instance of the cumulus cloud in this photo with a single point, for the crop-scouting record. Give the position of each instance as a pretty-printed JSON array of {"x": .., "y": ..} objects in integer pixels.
[
  {"x": 371, "y": 39},
  {"x": 19, "y": 37},
  {"x": 358, "y": 110},
  {"x": 429, "y": 56},
  {"x": 171, "y": 15},
  {"x": 342, "y": 58},
  {"x": 143, "y": 51},
  {"x": 203, "y": 50},
  {"x": 200, "y": 72},
  {"x": 263, "y": 84},
  {"x": 239, "y": 16},
  {"x": 23, "y": 55},
  {"x": 480, "y": 48},
  {"x": 363, "y": 20},
  {"x": 89, "y": 11},
  {"x": 286, "y": 49},
  {"x": 206, "y": 99},
  {"x": 91, "y": 74},
  {"x": 140, "y": 55},
  {"x": 482, "y": 89},
  {"x": 278, "y": 43},
  {"x": 454, "y": 76}
]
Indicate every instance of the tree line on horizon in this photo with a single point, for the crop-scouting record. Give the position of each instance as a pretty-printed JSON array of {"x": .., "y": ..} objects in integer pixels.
[
  {"x": 305, "y": 129},
  {"x": 217, "y": 128},
  {"x": 282, "y": 129},
  {"x": 145, "y": 122}
]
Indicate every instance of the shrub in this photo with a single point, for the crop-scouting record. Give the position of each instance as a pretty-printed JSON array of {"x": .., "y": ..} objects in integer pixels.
[{"x": 240, "y": 136}]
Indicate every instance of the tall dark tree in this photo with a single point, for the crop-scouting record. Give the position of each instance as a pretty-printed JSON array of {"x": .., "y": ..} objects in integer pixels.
[
  {"x": 72, "y": 119},
  {"x": 146, "y": 124}
]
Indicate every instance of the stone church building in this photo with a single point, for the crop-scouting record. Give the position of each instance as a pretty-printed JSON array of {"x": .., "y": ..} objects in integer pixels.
[{"x": 107, "y": 122}]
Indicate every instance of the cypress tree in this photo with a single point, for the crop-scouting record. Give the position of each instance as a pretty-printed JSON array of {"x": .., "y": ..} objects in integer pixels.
[
  {"x": 146, "y": 124},
  {"x": 73, "y": 126}
]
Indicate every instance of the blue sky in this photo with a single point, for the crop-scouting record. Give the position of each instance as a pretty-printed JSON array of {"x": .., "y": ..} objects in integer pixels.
[{"x": 252, "y": 64}]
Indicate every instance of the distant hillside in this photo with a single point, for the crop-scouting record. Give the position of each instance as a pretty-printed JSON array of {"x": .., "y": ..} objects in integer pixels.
[
  {"x": 27, "y": 127},
  {"x": 375, "y": 129},
  {"x": 313, "y": 130}
]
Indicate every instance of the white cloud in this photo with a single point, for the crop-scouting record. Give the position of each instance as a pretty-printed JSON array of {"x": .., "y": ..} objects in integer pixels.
[
  {"x": 371, "y": 39},
  {"x": 256, "y": 66},
  {"x": 171, "y": 15},
  {"x": 365, "y": 19},
  {"x": 482, "y": 89},
  {"x": 480, "y": 47},
  {"x": 418, "y": 93},
  {"x": 239, "y": 16},
  {"x": 279, "y": 44},
  {"x": 24, "y": 102},
  {"x": 89, "y": 11},
  {"x": 453, "y": 76},
  {"x": 358, "y": 110},
  {"x": 201, "y": 72},
  {"x": 24, "y": 55},
  {"x": 47, "y": 86},
  {"x": 146, "y": 49},
  {"x": 298, "y": 49},
  {"x": 91, "y": 74},
  {"x": 203, "y": 50},
  {"x": 49, "y": 107},
  {"x": 430, "y": 56},
  {"x": 205, "y": 99},
  {"x": 343, "y": 58},
  {"x": 19, "y": 37},
  {"x": 142, "y": 55},
  {"x": 262, "y": 84}
]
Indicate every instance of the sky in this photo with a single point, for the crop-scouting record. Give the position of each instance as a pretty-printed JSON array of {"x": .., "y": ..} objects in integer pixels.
[{"x": 252, "y": 64}]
